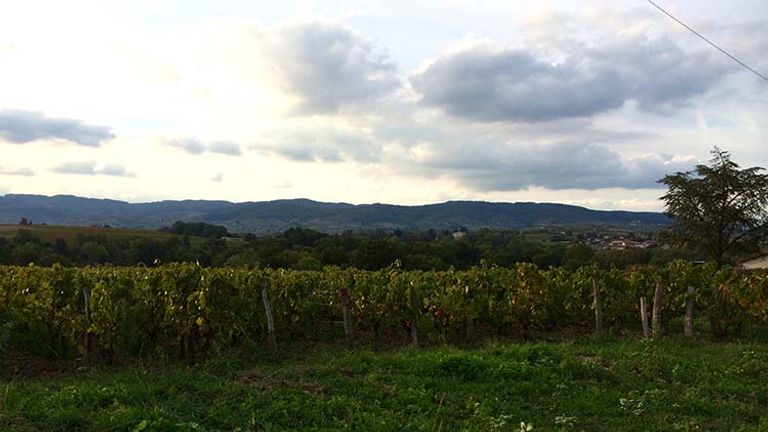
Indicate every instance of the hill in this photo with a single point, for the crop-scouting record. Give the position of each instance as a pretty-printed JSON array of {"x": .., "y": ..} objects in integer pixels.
[{"x": 279, "y": 215}]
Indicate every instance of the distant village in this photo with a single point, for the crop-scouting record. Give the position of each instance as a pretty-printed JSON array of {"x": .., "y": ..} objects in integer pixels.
[{"x": 619, "y": 243}]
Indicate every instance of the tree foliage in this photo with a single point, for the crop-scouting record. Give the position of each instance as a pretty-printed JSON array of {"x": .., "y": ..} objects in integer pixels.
[
  {"x": 719, "y": 208},
  {"x": 306, "y": 249},
  {"x": 199, "y": 229}
]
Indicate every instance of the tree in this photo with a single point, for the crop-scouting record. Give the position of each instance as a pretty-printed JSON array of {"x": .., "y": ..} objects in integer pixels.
[
  {"x": 578, "y": 255},
  {"x": 719, "y": 209}
]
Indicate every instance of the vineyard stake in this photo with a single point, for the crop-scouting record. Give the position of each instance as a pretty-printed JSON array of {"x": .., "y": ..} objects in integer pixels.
[
  {"x": 346, "y": 312},
  {"x": 644, "y": 317},
  {"x": 469, "y": 329},
  {"x": 657, "y": 300},
  {"x": 688, "y": 323},
  {"x": 87, "y": 341},
  {"x": 598, "y": 304},
  {"x": 414, "y": 335},
  {"x": 270, "y": 320}
]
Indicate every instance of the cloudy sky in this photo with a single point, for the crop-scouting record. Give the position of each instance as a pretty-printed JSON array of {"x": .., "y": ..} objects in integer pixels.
[{"x": 410, "y": 102}]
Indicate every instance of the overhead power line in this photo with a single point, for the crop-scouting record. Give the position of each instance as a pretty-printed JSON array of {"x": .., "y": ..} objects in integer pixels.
[{"x": 704, "y": 38}]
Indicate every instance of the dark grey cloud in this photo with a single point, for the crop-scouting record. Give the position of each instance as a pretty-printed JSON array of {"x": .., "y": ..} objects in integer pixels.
[
  {"x": 326, "y": 144},
  {"x": 26, "y": 172},
  {"x": 90, "y": 168},
  {"x": 488, "y": 84},
  {"x": 20, "y": 127},
  {"x": 408, "y": 132},
  {"x": 329, "y": 67},
  {"x": 197, "y": 147},
  {"x": 509, "y": 167}
]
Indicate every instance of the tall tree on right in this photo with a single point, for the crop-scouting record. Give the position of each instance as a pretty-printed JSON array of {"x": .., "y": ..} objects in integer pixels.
[{"x": 719, "y": 209}]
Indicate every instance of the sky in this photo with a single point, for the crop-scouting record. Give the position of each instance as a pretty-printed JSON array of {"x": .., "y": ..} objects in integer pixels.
[{"x": 405, "y": 102}]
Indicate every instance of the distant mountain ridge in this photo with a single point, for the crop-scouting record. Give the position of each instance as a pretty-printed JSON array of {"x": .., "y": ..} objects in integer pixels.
[{"x": 279, "y": 215}]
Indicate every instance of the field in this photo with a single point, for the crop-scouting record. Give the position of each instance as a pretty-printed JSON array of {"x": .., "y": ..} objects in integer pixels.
[
  {"x": 51, "y": 233},
  {"x": 584, "y": 384},
  {"x": 184, "y": 348}
]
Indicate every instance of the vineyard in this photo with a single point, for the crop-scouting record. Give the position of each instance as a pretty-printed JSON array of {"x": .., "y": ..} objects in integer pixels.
[{"x": 185, "y": 309}]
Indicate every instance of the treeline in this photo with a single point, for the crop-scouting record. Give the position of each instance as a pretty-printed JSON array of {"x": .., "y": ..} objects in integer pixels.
[
  {"x": 305, "y": 249},
  {"x": 198, "y": 229},
  {"x": 87, "y": 249}
]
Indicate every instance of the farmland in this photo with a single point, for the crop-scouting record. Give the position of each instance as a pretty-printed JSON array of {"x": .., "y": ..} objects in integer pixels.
[
  {"x": 188, "y": 309},
  {"x": 183, "y": 347},
  {"x": 52, "y": 233}
]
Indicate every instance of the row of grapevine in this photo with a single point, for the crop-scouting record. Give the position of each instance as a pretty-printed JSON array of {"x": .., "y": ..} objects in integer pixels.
[{"x": 188, "y": 309}]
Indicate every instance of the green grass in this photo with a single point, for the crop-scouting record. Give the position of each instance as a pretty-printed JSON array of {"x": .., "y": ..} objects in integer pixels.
[{"x": 582, "y": 385}]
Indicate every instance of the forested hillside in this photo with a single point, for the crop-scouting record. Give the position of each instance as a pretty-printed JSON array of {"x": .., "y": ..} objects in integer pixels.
[{"x": 279, "y": 215}]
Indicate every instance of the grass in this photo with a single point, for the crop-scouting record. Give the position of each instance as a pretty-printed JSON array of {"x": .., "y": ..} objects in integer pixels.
[{"x": 581, "y": 385}]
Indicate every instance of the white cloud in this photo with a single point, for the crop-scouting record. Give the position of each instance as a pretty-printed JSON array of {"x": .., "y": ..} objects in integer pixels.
[
  {"x": 90, "y": 168},
  {"x": 322, "y": 143},
  {"x": 25, "y": 172},
  {"x": 196, "y": 147},
  {"x": 225, "y": 148},
  {"x": 330, "y": 67}
]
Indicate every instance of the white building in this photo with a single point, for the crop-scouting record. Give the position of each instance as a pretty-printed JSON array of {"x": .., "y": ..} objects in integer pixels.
[{"x": 755, "y": 264}]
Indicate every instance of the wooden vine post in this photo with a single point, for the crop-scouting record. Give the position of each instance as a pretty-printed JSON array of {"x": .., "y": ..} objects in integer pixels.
[
  {"x": 414, "y": 335},
  {"x": 271, "y": 339},
  {"x": 598, "y": 304},
  {"x": 644, "y": 317},
  {"x": 469, "y": 329},
  {"x": 658, "y": 298},
  {"x": 87, "y": 339},
  {"x": 688, "y": 323},
  {"x": 346, "y": 312}
]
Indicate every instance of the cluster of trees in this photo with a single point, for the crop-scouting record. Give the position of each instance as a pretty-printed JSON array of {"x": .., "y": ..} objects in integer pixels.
[
  {"x": 26, "y": 248},
  {"x": 300, "y": 248},
  {"x": 198, "y": 229}
]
